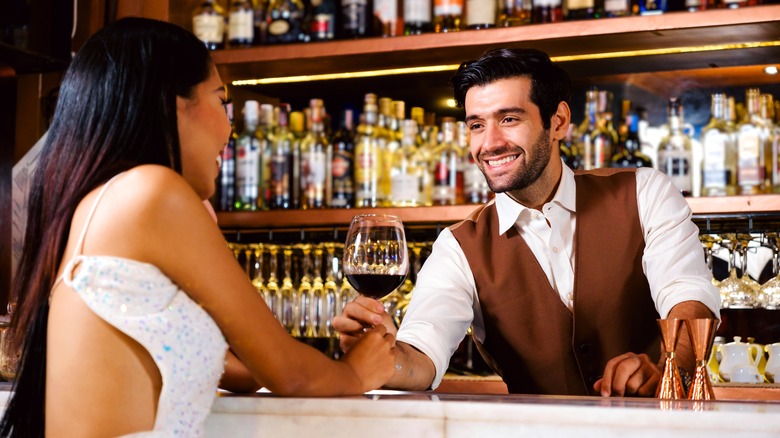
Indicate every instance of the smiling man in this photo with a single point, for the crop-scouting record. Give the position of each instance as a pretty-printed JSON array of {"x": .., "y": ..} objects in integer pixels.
[{"x": 563, "y": 275}]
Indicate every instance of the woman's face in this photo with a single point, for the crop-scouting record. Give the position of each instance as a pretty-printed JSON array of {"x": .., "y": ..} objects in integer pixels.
[{"x": 204, "y": 131}]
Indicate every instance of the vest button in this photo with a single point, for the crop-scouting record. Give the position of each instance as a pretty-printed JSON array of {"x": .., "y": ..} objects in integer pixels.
[{"x": 584, "y": 348}]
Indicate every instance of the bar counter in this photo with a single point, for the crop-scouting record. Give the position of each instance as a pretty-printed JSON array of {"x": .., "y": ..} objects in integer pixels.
[{"x": 395, "y": 414}]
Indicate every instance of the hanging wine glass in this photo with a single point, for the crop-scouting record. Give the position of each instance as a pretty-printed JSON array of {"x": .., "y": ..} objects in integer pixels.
[
  {"x": 709, "y": 241},
  {"x": 321, "y": 311},
  {"x": 744, "y": 241},
  {"x": 258, "y": 282},
  {"x": 331, "y": 291},
  {"x": 272, "y": 285},
  {"x": 304, "y": 295},
  {"x": 290, "y": 303},
  {"x": 347, "y": 293},
  {"x": 734, "y": 292},
  {"x": 769, "y": 292}
]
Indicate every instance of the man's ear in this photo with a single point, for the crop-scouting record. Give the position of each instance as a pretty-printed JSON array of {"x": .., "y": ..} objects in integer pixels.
[{"x": 559, "y": 123}]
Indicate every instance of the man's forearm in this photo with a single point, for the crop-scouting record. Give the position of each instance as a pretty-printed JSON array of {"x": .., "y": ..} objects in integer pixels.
[
  {"x": 687, "y": 310},
  {"x": 414, "y": 371}
]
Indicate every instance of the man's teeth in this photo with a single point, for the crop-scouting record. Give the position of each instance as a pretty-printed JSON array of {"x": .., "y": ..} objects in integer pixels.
[{"x": 502, "y": 161}]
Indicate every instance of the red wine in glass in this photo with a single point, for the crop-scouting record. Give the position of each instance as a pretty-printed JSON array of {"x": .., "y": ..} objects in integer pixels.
[{"x": 375, "y": 285}]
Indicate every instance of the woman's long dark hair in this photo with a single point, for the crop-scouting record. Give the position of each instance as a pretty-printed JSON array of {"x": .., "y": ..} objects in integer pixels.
[{"x": 116, "y": 110}]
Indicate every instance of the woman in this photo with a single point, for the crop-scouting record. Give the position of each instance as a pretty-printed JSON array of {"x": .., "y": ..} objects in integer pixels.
[{"x": 128, "y": 295}]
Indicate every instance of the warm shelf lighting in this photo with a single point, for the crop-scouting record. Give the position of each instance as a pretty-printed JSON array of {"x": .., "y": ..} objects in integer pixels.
[
  {"x": 453, "y": 67},
  {"x": 770, "y": 69}
]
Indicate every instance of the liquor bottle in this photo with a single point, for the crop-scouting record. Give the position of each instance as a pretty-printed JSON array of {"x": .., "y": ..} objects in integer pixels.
[
  {"x": 603, "y": 138},
  {"x": 316, "y": 160},
  {"x": 248, "y": 160},
  {"x": 405, "y": 191},
  {"x": 261, "y": 26},
  {"x": 387, "y": 18},
  {"x": 417, "y": 17},
  {"x": 768, "y": 129},
  {"x": 355, "y": 19},
  {"x": 776, "y": 151},
  {"x": 480, "y": 14},
  {"x": 652, "y": 7},
  {"x": 719, "y": 161},
  {"x": 617, "y": 8},
  {"x": 386, "y": 144},
  {"x": 462, "y": 144},
  {"x": 226, "y": 189},
  {"x": 367, "y": 157},
  {"x": 580, "y": 9},
  {"x": 343, "y": 167},
  {"x": 296, "y": 122},
  {"x": 445, "y": 164},
  {"x": 281, "y": 162},
  {"x": 630, "y": 154},
  {"x": 285, "y": 22},
  {"x": 752, "y": 142},
  {"x": 569, "y": 151},
  {"x": 447, "y": 15},
  {"x": 515, "y": 13},
  {"x": 208, "y": 24},
  {"x": 241, "y": 24},
  {"x": 674, "y": 151},
  {"x": 323, "y": 20},
  {"x": 547, "y": 11},
  {"x": 265, "y": 132}
]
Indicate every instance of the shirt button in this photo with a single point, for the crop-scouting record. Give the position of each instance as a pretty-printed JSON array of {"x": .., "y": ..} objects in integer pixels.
[
  {"x": 571, "y": 297},
  {"x": 555, "y": 249}
]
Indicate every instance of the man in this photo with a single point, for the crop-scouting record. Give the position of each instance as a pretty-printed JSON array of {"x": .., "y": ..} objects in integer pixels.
[{"x": 562, "y": 276}]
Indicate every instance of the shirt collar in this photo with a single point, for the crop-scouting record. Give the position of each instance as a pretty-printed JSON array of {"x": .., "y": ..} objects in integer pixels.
[{"x": 509, "y": 210}]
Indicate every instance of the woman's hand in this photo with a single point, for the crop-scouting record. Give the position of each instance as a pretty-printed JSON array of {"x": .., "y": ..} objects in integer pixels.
[
  {"x": 359, "y": 315},
  {"x": 372, "y": 357}
]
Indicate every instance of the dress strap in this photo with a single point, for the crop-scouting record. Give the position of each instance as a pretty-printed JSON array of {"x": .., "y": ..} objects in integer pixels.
[{"x": 67, "y": 273}]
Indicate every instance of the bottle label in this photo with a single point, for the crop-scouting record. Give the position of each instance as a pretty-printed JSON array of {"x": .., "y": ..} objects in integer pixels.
[
  {"x": 676, "y": 164},
  {"x": 749, "y": 171},
  {"x": 616, "y": 7},
  {"x": 247, "y": 169},
  {"x": 480, "y": 12},
  {"x": 241, "y": 25},
  {"x": 279, "y": 27},
  {"x": 573, "y": 5},
  {"x": 405, "y": 189},
  {"x": 323, "y": 26},
  {"x": 353, "y": 13},
  {"x": 447, "y": 7},
  {"x": 417, "y": 11},
  {"x": 209, "y": 28},
  {"x": 386, "y": 10},
  {"x": 714, "y": 161},
  {"x": 280, "y": 176}
]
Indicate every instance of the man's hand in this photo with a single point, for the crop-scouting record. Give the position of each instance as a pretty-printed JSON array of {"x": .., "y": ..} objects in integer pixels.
[
  {"x": 629, "y": 374},
  {"x": 358, "y": 316}
]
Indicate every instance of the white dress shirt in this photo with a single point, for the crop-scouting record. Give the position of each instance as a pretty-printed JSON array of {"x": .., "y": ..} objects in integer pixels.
[{"x": 445, "y": 301}]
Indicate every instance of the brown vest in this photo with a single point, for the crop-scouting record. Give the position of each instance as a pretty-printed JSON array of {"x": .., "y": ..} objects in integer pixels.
[{"x": 532, "y": 339}]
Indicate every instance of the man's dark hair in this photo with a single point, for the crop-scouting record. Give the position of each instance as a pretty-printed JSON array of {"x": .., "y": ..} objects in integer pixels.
[{"x": 550, "y": 84}]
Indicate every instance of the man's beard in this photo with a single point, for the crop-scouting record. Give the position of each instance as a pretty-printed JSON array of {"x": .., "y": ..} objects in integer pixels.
[{"x": 542, "y": 149}]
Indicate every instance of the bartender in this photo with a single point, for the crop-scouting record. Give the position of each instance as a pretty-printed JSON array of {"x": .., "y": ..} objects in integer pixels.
[{"x": 563, "y": 275}]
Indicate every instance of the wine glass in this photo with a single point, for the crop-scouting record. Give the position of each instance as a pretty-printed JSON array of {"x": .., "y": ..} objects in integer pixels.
[
  {"x": 375, "y": 254},
  {"x": 770, "y": 291}
]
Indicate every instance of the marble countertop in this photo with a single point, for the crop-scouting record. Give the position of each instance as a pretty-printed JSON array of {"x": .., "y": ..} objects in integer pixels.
[{"x": 426, "y": 414}]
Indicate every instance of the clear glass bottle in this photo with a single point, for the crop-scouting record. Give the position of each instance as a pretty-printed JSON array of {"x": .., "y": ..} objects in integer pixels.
[
  {"x": 316, "y": 160},
  {"x": 547, "y": 11},
  {"x": 480, "y": 14},
  {"x": 405, "y": 190},
  {"x": 343, "y": 167},
  {"x": 265, "y": 133},
  {"x": 674, "y": 151},
  {"x": 752, "y": 142},
  {"x": 208, "y": 24},
  {"x": 367, "y": 156},
  {"x": 248, "y": 160},
  {"x": 719, "y": 160},
  {"x": 768, "y": 128},
  {"x": 281, "y": 162},
  {"x": 388, "y": 18},
  {"x": 417, "y": 17},
  {"x": 445, "y": 165},
  {"x": 241, "y": 23},
  {"x": 580, "y": 9},
  {"x": 630, "y": 154},
  {"x": 226, "y": 190},
  {"x": 447, "y": 15}
]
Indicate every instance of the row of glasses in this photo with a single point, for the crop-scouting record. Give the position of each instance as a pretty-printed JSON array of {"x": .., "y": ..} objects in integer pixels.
[
  {"x": 305, "y": 286},
  {"x": 742, "y": 291}
]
